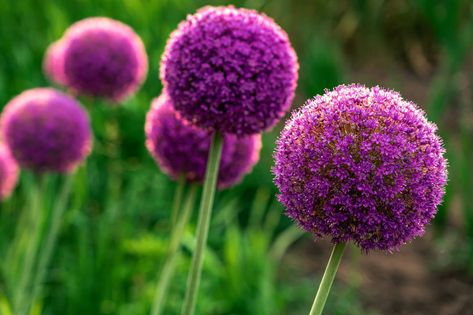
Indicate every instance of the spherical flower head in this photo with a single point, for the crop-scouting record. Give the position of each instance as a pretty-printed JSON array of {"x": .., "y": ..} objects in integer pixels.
[
  {"x": 181, "y": 149},
  {"x": 8, "y": 172},
  {"x": 104, "y": 58},
  {"x": 46, "y": 130},
  {"x": 53, "y": 63},
  {"x": 361, "y": 164},
  {"x": 231, "y": 70}
]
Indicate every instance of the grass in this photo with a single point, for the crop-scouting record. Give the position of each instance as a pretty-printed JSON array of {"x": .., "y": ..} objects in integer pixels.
[{"x": 115, "y": 232}]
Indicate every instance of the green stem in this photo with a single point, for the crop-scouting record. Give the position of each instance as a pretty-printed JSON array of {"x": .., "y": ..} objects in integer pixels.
[
  {"x": 173, "y": 253},
  {"x": 178, "y": 194},
  {"x": 14, "y": 258},
  {"x": 35, "y": 215},
  {"x": 327, "y": 279},
  {"x": 205, "y": 212},
  {"x": 51, "y": 239}
]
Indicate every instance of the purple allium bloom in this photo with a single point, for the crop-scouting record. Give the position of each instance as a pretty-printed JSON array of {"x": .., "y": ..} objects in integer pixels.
[
  {"x": 232, "y": 70},
  {"x": 53, "y": 63},
  {"x": 181, "y": 149},
  {"x": 8, "y": 172},
  {"x": 104, "y": 58},
  {"x": 361, "y": 164},
  {"x": 46, "y": 130}
]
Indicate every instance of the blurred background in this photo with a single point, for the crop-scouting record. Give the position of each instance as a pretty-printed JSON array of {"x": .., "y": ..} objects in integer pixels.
[{"x": 114, "y": 236}]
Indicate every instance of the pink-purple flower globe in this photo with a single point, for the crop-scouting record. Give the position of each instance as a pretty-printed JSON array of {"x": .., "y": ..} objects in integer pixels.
[
  {"x": 361, "y": 164},
  {"x": 53, "y": 63},
  {"x": 181, "y": 149},
  {"x": 8, "y": 172},
  {"x": 231, "y": 70},
  {"x": 46, "y": 130},
  {"x": 104, "y": 58}
]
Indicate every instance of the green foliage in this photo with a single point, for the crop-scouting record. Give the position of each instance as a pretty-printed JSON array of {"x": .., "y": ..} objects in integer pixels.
[
  {"x": 115, "y": 233},
  {"x": 452, "y": 22},
  {"x": 322, "y": 67}
]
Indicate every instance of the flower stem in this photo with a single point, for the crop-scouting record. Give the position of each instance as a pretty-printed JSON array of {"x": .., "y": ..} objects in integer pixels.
[
  {"x": 51, "y": 236},
  {"x": 35, "y": 216},
  {"x": 178, "y": 194},
  {"x": 205, "y": 212},
  {"x": 327, "y": 279},
  {"x": 173, "y": 253}
]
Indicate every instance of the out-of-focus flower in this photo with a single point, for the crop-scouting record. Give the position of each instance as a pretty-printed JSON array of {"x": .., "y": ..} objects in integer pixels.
[
  {"x": 181, "y": 149},
  {"x": 104, "y": 58},
  {"x": 46, "y": 130},
  {"x": 8, "y": 172},
  {"x": 53, "y": 63}
]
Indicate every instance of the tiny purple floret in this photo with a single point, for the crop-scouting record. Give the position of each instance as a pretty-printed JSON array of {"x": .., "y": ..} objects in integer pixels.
[
  {"x": 46, "y": 130},
  {"x": 181, "y": 149},
  {"x": 361, "y": 164},
  {"x": 231, "y": 70}
]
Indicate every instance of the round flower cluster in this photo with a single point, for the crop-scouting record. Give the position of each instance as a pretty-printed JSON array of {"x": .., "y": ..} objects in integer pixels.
[
  {"x": 231, "y": 70},
  {"x": 8, "y": 172},
  {"x": 53, "y": 63},
  {"x": 46, "y": 130},
  {"x": 361, "y": 164},
  {"x": 181, "y": 149},
  {"x": 104, "y": 58}
]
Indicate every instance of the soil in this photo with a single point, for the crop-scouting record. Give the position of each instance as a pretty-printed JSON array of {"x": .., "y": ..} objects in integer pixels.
[{"x": 408, "y": 282}]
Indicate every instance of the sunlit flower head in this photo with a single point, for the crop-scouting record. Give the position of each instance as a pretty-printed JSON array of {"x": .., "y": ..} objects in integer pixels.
[
  {"x": 361, "y": 164},
  {"x": 231, "y": 70}
]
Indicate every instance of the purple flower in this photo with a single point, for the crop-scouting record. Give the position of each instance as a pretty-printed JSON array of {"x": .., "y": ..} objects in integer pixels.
[
  {"x": 53, "y": 63},
  {"x": 181, "y": 149},
  {"x": 104, "y": 58},
  {"x": 46, "y": 130},
  {"x": 363, "y": 165},
  {"x": 8, "y": 172},
  {"x": 232, "y": 70}
]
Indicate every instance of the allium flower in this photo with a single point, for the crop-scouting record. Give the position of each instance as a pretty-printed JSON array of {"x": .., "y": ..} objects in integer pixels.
[
  {"x": 362, "y": 165},
  {"x": 104, "y": 58},
  {"x": 8, "y": 172},
  {"x": 181, "y": 149},
  {"x": 46, "y": 130},
  {"x": 229, "y": 69},
  {"x": 53, "y": 63}
]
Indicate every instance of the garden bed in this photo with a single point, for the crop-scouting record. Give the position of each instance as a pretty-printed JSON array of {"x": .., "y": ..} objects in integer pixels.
[{"x": 407, "y": 282}]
